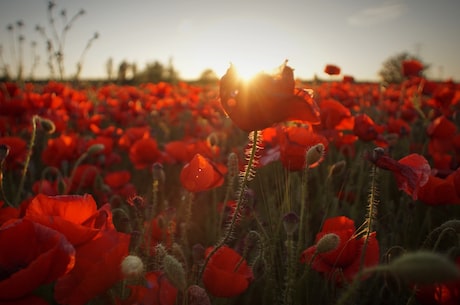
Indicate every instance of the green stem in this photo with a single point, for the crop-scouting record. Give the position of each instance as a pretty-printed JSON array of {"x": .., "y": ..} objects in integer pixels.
[{"x": 246, "y": 177}]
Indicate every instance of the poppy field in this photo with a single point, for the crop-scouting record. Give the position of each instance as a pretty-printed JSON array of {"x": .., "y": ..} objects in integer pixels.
[{"x": 267, "y": 191}]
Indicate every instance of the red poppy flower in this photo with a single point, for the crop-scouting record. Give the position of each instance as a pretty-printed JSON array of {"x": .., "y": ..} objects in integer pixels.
[
  {"x": 97, "y": 269},
  {"x": 64, "y": 148},
  {"x": 157, "y": 291},
  {"x": 294, "y": 143},
  {"x": 334, "y": 115},
  {"x": 200, "y": 174},
  {"x": 119, "y": 182},
  {"x": 7, "y": 213},
  {"x": 227, "y": 273},
  {"x": 32, "y": 255},
  {"x": 344, "y": 261},
  {"x": 366, "y": 129},
  {"x": 131, "y": 135},
  {"x": 411, "y": 172},
  {"x": 185, "y": 150},
  {"x": 77, "y": 217},
  {"x": 438, "y": 191},
  {"x": 411, "y": 67},
  {"x": 144, "y": 152},
  {"x": 398, "y": 126},
  {"x": 332, "y": 70},
  {"x": 84, "y": 178},
  {"x": 265, "y": 100}
]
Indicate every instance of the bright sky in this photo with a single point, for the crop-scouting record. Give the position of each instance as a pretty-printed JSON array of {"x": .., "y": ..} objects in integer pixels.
[{"x": 356, "y": 35}]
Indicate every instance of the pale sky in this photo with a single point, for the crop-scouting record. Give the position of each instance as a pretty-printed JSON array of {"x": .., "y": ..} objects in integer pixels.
[{"x": 356, "y": 35}]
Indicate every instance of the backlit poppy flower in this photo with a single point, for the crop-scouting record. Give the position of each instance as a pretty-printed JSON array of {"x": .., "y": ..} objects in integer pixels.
[
  {"x": 32, "y": 255},
  {"x": 332, "y": 70},
  {"x": 97, "y": 269},
  {"x": 75, "y": 216},
  {"x": 200, "y": 174},
  {"x": 342, "y": 263},
  {"x": 119, "y": 182},
  {"x": 227, "y": 273},
  {"x": 411, "y": 172},
  {"x": 411, "y": 67},
  {"x": 265, "y": 100},
  {"x": 144, "y": 152},
  {"x": 366, "y": 129},
  {"x": 294, "y": 143},
  {"x": 335, "y": 115},
  {"x": 158, "y": 290},
  {"x": 63, "y": 148}
]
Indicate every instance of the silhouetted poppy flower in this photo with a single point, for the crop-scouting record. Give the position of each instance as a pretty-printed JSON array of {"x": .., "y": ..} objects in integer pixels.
[
  {"x": 75, "y": 216},
  {"x": 411, "y": 172},
  {"x": 411, "y": 67},
  {"x": 294, "y": 143},
  {"x": 97, "y": 269},
  {"x": 265, "y": 100},
  {"x": 200, "y": 174},
  {"x": 332, "y": 70},
  {"x": 32, "y": 255},
  {"x": 158, "y": 290},
  {"x": 366, "y": 129},
  {"x": 227, "y": 273},
  {"x": 144, "y": 152},
  {"x": 342, "y": 263}
]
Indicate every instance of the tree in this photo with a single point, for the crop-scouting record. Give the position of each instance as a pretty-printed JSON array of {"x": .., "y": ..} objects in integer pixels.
[
  {"x": 208, "y": 76},
  {"x": 391, "y": 71}
]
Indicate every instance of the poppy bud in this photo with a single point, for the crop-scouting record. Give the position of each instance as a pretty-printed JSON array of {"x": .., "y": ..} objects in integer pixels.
[
  {"x": 337, "y": 168},
  {"x": 315, "y": 155},
  {"x": 290, "y": 223},
  {"x": 423, "y": 267},
  {"x": 327, "y": 243},
  {"x": 174, "y": 271},
  {"x": 132, "y": 267},
  {"x": 197, "y": 296},
  {"x": 95, "y": 148},
  {"x": 4, "y": 151},
  {"x": 47, "y": 125}
]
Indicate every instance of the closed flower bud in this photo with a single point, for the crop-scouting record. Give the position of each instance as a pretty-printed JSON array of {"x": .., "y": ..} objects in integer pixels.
[
  {"x": 337, "y": 168},
  {"x": 423, "y": 267},
  {"x": 95, "y": 148},
  {"x": 315, "y": 155},
  {"x": 174, "y": 271},
  {"x": 327, "y": 243},
  {"x": 290, "y": 223},
  {"x": 47, "y": 125},
  {"x": 132, "y": 267},
  {"x": 197, "y": 296}
]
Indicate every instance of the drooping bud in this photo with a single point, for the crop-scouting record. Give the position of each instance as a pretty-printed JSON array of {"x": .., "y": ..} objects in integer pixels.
[
  {"x": 132, "y": 267},
  {"x": 95, "y": 148},
  {"x": 337, "y": 168},
  {"x": 327, "y": 243},
  {"x": 47, "y": 125},
  {"x": 174, "y": 271},
  {"x": 314, "y": 155}
]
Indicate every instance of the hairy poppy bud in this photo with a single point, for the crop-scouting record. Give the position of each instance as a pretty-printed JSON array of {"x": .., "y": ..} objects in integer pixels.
[
  {"x": 327, "y": 243},
  {"x": 290, "y": 223},
  {"x": 132, "y": 267},
  {"x": 174, "y": 271},
  {"x": 47, "y": 125},
  {"x": 315, "y": 155},
  {"x": 95, "y": 148}
]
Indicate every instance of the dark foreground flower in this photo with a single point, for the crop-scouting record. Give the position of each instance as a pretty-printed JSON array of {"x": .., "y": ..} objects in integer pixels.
[
  {"x": 227, "y": 273},
  {"x": 31, "y": 255},
  {"x": 266, "y": 100},
  {"x": 342, "y": 263}
]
